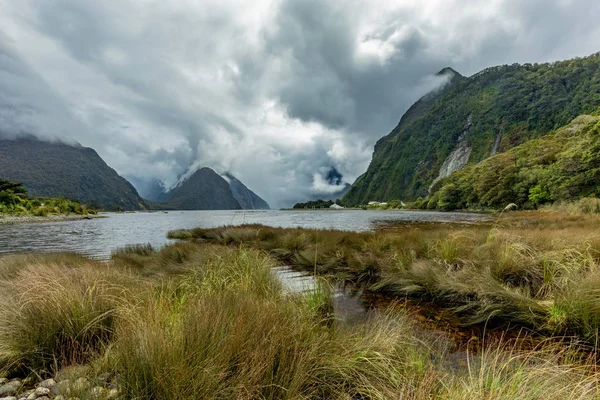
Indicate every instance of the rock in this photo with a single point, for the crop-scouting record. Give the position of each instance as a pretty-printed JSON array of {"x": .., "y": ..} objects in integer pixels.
[
  {"x": 48, "y": 383},
  {"x": 9, "y": 398},
  {"x": 112, "y": 394},
  {"x": 72, "y": 372},
  {"x": 24, "y": 395},
  {"x": 31, "y": 396},
  {"x": 42, "y": 391},
  {"x": 3, "y": 381},
  {"x": 59, "y": 397},
  {"x": 10, "y": 388},
  {"x": 43, "y": 398}
]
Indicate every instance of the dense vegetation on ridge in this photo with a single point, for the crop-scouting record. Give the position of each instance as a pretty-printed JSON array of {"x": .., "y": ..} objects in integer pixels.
[
  {"x": 14, "y": 200},
  {"x": 54, "y": 169},
  {"x": 505, "y": 105},
  {"x": 315, "y": 204},
  {"x": 561, "y": 166}
]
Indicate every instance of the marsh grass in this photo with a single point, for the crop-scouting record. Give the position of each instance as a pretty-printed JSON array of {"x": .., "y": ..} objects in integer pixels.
[
  {"x": 531, "y": 269},
  {"x": 503, "y": 371},
  {"x": 210, "y": 321},
  {"x": 59, "y": 312}
]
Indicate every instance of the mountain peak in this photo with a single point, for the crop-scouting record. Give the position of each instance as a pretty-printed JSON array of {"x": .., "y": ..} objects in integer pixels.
[{"x": 448, "y": 71}]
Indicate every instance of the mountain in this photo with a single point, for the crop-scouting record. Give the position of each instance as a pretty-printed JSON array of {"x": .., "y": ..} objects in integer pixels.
[
  {"x": 247, "y": 198},
  {"x": 203, "y": 190},
  {"x": 473, "y": 118},
  {"x": 562, "y": 165},
  {"x": 54, "y": 169}
]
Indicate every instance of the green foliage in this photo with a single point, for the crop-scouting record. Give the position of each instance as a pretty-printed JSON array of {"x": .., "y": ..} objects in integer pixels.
[
  {"x": 561, "y": 166},
  {"x": 509, "y": 103},
  {"x": 314, "y": 204},
  {"x": 13, "y": 200},
  {"x": 538, "y": 196}
]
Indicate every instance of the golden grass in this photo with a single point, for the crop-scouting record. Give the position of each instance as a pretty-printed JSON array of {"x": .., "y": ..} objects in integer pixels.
[
  {"x": 202, "y": 320},
  {"x": 533, "y": 269}
]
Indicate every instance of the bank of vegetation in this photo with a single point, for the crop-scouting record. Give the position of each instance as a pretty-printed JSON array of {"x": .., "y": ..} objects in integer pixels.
[
  {"x": 203, "y": 320},
  {"x": 563, "y": 166},
  {"x": 15, "y": 201}
]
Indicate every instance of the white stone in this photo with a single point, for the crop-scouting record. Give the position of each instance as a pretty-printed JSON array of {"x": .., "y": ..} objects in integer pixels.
[
  {"x": 42, "y": 391},
  {"x": 48, "y": 383}
]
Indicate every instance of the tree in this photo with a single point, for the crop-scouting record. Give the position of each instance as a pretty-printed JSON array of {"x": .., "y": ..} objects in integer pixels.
[
  {"x": 11, "y": 193},
  {"x": 13, "y": 187}
]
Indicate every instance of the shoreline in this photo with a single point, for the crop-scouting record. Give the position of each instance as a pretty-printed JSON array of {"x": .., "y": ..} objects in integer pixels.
[{"x": 31, "y": 219}]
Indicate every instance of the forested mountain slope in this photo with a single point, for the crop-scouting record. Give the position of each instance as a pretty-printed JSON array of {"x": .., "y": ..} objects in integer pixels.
[
  {"x": 473, "y": 118},
  {"x": 54, "y": 169},
  {"x": 563, "y": 165}
]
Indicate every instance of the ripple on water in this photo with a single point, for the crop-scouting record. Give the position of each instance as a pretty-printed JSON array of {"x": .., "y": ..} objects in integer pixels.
[{"x": 100, "y": 237}]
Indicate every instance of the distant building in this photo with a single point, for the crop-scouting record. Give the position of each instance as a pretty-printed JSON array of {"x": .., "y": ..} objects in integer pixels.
[
  {"x": 376, "y": 203},
  {"x": 336, "y": 207}
]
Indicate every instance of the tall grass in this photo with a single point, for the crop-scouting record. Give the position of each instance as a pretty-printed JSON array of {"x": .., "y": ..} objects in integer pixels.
[
  {"x": 530, "y": 269},
  {"x": 58, "y": 313},
  {"x": 204, "y": 321}
]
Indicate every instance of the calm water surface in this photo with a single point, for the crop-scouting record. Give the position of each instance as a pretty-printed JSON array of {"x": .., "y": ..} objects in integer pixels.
[{"x": 99, "y": 237}]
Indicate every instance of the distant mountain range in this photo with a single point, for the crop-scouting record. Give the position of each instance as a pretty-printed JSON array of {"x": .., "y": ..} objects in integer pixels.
[
  {"x": 471, "y": 119},
  {"x": 55, "y": 169}
]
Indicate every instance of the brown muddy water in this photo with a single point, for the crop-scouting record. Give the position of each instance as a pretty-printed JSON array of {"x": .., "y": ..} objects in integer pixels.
[{"x": 461, "y": 344}]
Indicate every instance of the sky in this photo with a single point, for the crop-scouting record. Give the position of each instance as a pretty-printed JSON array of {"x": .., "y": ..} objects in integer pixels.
[{"x": 276, "y": 92}]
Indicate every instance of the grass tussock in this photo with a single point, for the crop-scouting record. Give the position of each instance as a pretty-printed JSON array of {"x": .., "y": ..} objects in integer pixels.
[
  {"x": 58, "y": 312},
  {"x": 209, "y": 321},
  {"x": 531, "y": 269}
]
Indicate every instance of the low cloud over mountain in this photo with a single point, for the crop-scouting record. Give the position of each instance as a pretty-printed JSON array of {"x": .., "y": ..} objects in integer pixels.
[{"x": 274, "y": 92}]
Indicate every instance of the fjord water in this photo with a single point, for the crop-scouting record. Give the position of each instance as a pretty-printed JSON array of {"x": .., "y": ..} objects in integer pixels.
[{"x": 101, "y": 236}]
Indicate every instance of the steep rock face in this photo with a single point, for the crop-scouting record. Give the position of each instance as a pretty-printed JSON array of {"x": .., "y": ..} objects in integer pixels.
[
  {"x": 203, "y": 190},
  {"x": 561, "y": 166},
  {"x": 509, "y": 105},
  {"x": 459, "y": 156},
  {"x": 247, "y": 199},
  {"x": 60, "y": 170}
]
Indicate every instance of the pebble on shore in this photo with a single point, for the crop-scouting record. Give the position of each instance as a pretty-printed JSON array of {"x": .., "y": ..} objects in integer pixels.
[{"x": 57, "y": 389}]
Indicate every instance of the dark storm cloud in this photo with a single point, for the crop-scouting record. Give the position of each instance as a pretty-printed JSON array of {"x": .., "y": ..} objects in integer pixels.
[{"x": 275, "y": 92}]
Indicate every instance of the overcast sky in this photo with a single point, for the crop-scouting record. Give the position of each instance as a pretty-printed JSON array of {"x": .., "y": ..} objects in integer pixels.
[{"x": 274, "y": 91}]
